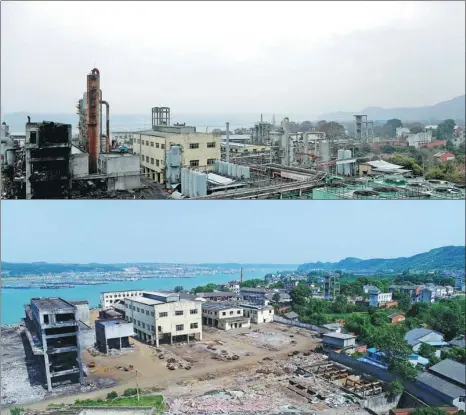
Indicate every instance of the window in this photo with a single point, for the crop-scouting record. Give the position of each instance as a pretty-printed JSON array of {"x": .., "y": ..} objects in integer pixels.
[
  {"x": 138, "y": 310},
  {"x": 162, "y": 146},
  {"x": 164, "y": 314},
  {"x": 157, "y": 163},
  {"x": 238, "y": 312},
  {"x": 210, "y": 162},
  {"x": 194, "y": 325},
  {"x": 179, "y": 313},
  {"x": 147, "y": 312},
  {"x": 211, "y": 145},
  {"x": 143, "y": 325},
  {"x": 142, "y": 157},
  {"x": 462, "y": 399},
  {"x": 147, "y": 143},
  {"x": 139, "y": 323},
  {"x": 33, "y": 137},
  {"x": 224, "y": 313},
  {"x": 180, "y": 327},
  {"x": 147, "y": 159},
  {"x": 138, "y": 141},
  {"x": 159, "y": 328},
  {"x": 46, "y": 319},
  {"x": 156, "y": 145},
  {"x": 152, "y": 313},
  {"x": 270, "y": 311},
  {"x": 151, "y": 160},
  {"x": 194, "y": 163},
  {"x": 153, "y": 328},
  {"x": 231, "y": 313},
  {"x": 193, "y": 146},
  {"x": 152, "y": 144},
  {"x": 194, "y": 311}
]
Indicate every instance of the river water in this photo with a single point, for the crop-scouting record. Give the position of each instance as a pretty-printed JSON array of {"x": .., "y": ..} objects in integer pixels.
[{"x": 13, "y": 300}]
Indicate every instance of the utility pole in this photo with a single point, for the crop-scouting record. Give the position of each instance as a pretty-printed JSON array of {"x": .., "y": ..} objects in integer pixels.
[
  {"x": 228, "y": 142},
  {"x": 137, "y": 384}
]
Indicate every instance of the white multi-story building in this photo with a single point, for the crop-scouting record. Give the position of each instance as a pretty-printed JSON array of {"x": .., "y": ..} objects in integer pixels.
[
  {"x": 108, "y": 299},
  {"x": 224, "y": 316},
  {"x": 378, "y": 299},
  {"x": 416, "y": 140},
  {"x": 198, "y": 150},
  {"x": 258, "y": 314},
  {"x": 164, "y": 317},
  {"x": 402, "y": 132}
]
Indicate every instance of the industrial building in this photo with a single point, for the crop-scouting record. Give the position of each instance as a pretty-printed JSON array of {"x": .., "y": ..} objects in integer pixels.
[
  {"x": 224, "y": 316},
  {"x": 166, "y": 149},
  {"x": 160, "y": 317},
  {"x": 52, "y": 327},
  {"x": 108, "y": 298},
  {"x": 339, "y": 342},
  {"x": 113, "y": 334}
]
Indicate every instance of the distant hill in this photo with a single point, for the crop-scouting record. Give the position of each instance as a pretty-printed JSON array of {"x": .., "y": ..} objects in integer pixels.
[
  {"x": 454, "y": 108},
  {"x": 444, "y": 258}
]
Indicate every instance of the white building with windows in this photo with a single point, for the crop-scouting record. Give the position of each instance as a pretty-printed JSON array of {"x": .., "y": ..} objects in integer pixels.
[
  {"x": 224, "y": 316},
  {"x": 109, "y": 298},
  {"x": 160, "y": 317},
  {"x": 378, "y": 299},
  {"x": 258, "y": 313},
  {"x": 198, "y": 150}
]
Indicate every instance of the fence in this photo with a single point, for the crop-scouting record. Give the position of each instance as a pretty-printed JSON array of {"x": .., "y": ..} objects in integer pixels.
[{"x": 282, "y": 320}]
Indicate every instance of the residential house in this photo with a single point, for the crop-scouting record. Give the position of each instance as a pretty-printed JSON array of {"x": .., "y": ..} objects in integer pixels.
[
  {"x": 458, "y": 137},
  {"x": 224, "y": 316},
  {"x": 290, "y": 284},
  {"x": 416, "y": 337},
  {"x": 396, "y": 318},
  {"x": 458, "y": 342},
  {"x": 254, "y": 295},
  {"x": 258, "y": 313},
  {"x": 234, "y": 286},
  {"x": 339, "y": 342},
  {"x": 414, "y": 291},
  {"x": 367, "y": 288},
  {"x": 428, "y": 295},
  {"x": 445, "y": 381},
  {"x": 444, "y": 156},
  {"x": 284, "y": 298},
  {"x": 450, "y": 290},
  {"x": 379, "y": 299}
]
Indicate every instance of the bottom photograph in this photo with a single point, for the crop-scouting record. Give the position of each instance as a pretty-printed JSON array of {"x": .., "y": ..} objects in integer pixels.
[{"x": 143, "y": 307}]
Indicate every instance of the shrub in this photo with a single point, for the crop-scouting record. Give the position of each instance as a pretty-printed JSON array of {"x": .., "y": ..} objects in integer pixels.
[
  {"x": 112, "y": 395},
  {"x": 130, "y": 392}
]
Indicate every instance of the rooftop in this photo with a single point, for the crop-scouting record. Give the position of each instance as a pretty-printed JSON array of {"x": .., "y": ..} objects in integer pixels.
[
  {"x": 147, "y": 301},
  {"x": 113, "y": 322},
  {"x": 218, "y": 294},
  {"x": 339, "y": 336},
  {"x": 119, "y": 291},
  {"x": 450, "y": 369},
  {"x": 49, "y": 303},
  {"x": 415, "y": 336},
  {"x": 257, "y": 307},
  {"x": 218, "y": 306},
  {"x": 437, "y": 383},
  {"x": 254, "y": 290},
  {"x": 291, "y": 314}
]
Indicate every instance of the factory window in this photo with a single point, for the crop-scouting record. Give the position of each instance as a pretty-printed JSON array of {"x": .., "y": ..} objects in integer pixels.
[
  {"x": 152, "y": 144},
  {"x": 164, "y": 314},
  {"x": 156, "y": 145},
  {"x": 138, "y": 309},
  {"x": 178, "y": 312},
  {"x": 46, "y": 319},
  {"x": 152, "y": 328},
  {"x": 194, "y": 325},
  {"x": 147, "y": 312},
  {"x": 147, "y": 159},
  {"x": 180, "y": 327},
  {"x": 143, "y": 325},
  {"x": 194, "y": 163},
  {"x": 33, "y": 137},
  {"x": 224, "y": 313},
  {"x": 193, "y": 146},
  {"x": 238, "y": 312},
  {"x": 194, "y": 311},
  {"x": 211, "y": 145},
  {"x": 210, "y": 162},
  {"x": 139, "y": 323},
  {"x": 147, "y": 143},
  {"x": 159, "y": 328},
  {"x": 162, "y": 146},
  {"x": 157, "y": 163},
  {"x": 231, "y": 313},
  {"x": 152, "y": 313}
]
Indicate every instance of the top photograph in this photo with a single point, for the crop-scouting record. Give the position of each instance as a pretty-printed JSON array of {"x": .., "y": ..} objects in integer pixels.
[{"x": 233, "y": 100}]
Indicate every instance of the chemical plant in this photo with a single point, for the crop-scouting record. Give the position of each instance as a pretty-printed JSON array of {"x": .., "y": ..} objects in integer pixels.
[{"x": 266, "y": 161}]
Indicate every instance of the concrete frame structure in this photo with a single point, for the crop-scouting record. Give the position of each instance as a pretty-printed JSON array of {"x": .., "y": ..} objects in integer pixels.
[
  {"x": 52, "y": 328},
  {"x": 108, "y": 298},
  {"x": 48, "y": 153},
  {"x": 259, "y": 313},
  {"x": 164, "y": 317},
  {"x": 224, "y": 316},
  {"x": 339, "y": 341},
  {"x": 113, "y": 334}
]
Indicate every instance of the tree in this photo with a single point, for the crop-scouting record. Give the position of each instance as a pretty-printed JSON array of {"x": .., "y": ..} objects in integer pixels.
[
  {"x": 417, "y": 128},
  {"x": 340, "y": 304},
  {"x": 178, "y": 289},
  {"x": 408, "y": 163},
  {"x": 447, "y": 317},
  {"x": 445, "y": 129},
  {"x": 456, "y": 353},
  {"x": 209, "y": 288},
  {"x": 404, "y": 368},
  {"x": 112, "y": 395},
  {"x": 379, "y": 319},
  {"x": 320, "y": 124},
  {"x": 392, "y": 125},
  {"x": 428, "y": 411},
  {"x": 276, "y": 298},
  {"x": 395, "y": 388},
  {"x": 404, "y": 301},
  {"x": 253, "y": 283},
  {"x": 418, "y": 310},
  {"x": 391, "y": 343},
  {"x": 333, "y": 130},
  {"x": 278, "y": 284},
  {"x": 300, "y": 294}
]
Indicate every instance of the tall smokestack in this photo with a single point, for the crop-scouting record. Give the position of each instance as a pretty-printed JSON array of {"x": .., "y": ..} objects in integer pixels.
[
  {"x": 93, "y": 103},
  {"x": 241, "y": 276}
]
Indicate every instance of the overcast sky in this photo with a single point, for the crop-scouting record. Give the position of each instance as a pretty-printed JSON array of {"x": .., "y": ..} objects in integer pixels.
[
  {"x": 277, "y": 232},
  {"x": 232, "y": 57}
]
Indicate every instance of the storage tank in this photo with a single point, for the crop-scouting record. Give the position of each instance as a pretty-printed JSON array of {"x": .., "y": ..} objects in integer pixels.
[
  {"x": 347, "y": 167},
  {"x": 324, "y": 151}
]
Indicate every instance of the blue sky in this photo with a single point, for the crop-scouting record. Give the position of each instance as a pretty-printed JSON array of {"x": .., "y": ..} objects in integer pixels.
[{"x": 225, "y": 231}]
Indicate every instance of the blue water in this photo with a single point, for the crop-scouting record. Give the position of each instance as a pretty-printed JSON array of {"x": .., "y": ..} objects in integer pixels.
[{"x": 13, "y": 301}]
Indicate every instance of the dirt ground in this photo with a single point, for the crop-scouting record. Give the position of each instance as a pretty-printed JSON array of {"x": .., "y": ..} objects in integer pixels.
[{"x": 273, "y": 341}]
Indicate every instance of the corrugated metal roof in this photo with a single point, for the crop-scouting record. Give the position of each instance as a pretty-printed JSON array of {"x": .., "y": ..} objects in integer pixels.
[
  {"x": 217, "y": 179},
  {"x": 451, "y": 369},
  {"x": 218, "y": 306},
  {"x": 415, "y": 336},
  {"x": 437, "y": 383}
]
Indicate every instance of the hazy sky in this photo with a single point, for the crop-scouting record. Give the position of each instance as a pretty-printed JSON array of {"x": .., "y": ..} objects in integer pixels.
[
  {"x": 235, "y": 57},
  {"x": 225, "y": 231}
]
